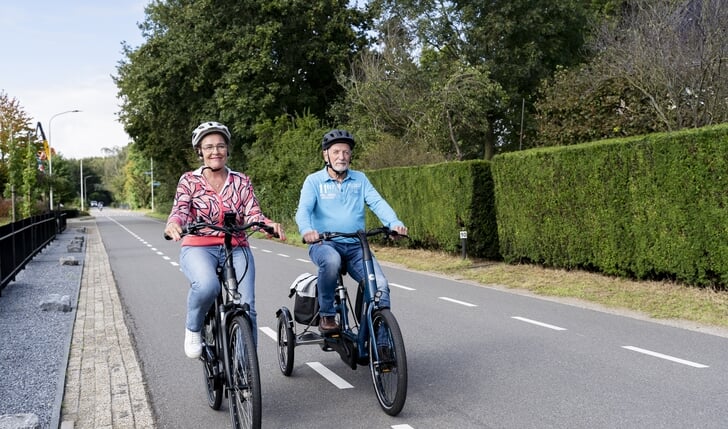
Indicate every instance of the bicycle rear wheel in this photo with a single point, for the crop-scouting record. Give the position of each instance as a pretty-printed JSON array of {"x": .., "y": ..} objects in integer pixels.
[
  {"x": 210, "y": 362},
  {"x": 244, "y": 394},
  {"x": 388, "y": 362}
]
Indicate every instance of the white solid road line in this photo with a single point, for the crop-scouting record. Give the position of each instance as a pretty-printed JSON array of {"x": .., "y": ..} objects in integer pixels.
[
  {"x": 329, "y": 375},
  {"x": 534, "y": 322},
  {"x": 666, "y": 357}
]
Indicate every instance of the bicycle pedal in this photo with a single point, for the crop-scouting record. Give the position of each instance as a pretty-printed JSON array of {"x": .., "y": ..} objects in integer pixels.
[{"x": 209, "y": 354}]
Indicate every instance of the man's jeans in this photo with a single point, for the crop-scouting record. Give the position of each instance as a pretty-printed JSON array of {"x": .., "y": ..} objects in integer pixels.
[
  {"x": 199, "y": 264},
  {"x": 327, "y": 255}
]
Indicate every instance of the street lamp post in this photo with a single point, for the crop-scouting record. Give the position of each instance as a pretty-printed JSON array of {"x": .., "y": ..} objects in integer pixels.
[
  {"x": 84, "y": 191},
  {"x": 50, "y": 152}
]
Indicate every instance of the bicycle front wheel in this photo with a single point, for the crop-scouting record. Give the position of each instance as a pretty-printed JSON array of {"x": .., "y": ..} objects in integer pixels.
[
  {"x": 244, "y": 394},
  {"x": 388, "y": 362}
]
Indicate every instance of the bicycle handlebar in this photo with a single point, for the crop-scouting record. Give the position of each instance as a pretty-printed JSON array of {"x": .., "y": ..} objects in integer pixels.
[
  {"x": 328, "y": 235},
  {"x": 195, "y": 227}
]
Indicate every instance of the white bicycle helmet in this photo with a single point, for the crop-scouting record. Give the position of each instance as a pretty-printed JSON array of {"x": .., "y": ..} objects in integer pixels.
[{"x": 206, "y": 128}]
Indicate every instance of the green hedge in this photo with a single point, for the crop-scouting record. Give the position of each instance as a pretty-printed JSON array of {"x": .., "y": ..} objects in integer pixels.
[
  {"x": 437, "y": 201},
  {"x": 646, "y": 207}
]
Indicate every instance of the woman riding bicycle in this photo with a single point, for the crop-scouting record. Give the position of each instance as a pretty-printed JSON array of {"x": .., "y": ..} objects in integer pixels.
[
  {"x": 206, "y": 194},
  {"x": 334, "y": 199}
]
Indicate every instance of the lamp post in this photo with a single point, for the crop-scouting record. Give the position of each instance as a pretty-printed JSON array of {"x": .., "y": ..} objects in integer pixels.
[
  {"x": 151, "y": 174},
  {"x": 50, "y": 154},
  {"x": 84, "y": 191}
]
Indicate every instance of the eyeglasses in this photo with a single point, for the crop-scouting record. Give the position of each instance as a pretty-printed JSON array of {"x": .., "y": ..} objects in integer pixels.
[
  {"x": 345, "y": 153},
  {"x": 210, "y": 148}
]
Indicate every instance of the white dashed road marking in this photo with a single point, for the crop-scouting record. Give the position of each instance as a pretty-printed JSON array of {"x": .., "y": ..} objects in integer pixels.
[
  {"x": 401, "y": 286},
  {"x": 269, "y": 332},
  {"x": 329, "y": 375},
  {"x": 534, "y": 322},
  {"x": 666, "y": 357},
  {"x": 467, "y": 304}
]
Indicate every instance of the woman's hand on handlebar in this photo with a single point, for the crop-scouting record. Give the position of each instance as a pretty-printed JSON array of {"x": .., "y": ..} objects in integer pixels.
[
  {"x": 277, "y": 231},
  {"x": 173, "y": 231}
]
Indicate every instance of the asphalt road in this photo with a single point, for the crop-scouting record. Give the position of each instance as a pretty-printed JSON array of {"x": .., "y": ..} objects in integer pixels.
[{"x": 478, "y": 357}]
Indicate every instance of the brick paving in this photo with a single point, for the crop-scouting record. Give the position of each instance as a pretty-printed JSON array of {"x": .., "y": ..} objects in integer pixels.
[{"x": 104, "y": 386}]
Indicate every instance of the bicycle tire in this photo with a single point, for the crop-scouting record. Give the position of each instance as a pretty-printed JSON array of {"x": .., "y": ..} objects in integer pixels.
[
  {"x": 286, "y": 343},
  {"x": 210, "y": 363},
  {"x": 244, "y": 395},
  {"x": 389, "y": 373}
]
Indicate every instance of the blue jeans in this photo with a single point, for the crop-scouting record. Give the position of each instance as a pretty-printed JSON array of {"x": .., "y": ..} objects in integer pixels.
[
  {"x": 199, "y": 264},
  {"x": 327, "y": 255}
]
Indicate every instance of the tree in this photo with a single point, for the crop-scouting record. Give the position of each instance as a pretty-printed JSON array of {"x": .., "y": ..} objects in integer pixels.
[
  {"x": 297, "y": 153},
  {"x": 659, "y": 66},
  {"x": 236, "y": 62},
  {"x": 28, "y": 186},
  {"x": 516, "y": 43},
  {"x": 581, "y": 104},
  {"x": 386, "y": 104},
  {"x": 674, "y": 53},
  {"x": 15, "y": 134},
  {"x": 412, "y": 113},
  {"x": 137, "y": 192}
]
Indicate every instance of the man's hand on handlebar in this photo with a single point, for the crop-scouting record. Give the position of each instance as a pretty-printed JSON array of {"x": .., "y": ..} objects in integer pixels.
[
  {"x": 311, "y": 236},
  {"x": 400, "y": 230}
]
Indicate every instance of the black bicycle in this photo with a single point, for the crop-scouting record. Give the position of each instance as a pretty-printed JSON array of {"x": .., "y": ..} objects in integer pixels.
[
  {"x": 371, "y": 338},
  {"x": 229, "y": 356}
]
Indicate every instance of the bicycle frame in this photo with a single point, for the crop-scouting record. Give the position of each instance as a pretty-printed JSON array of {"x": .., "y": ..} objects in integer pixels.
[
  {"x": 228, "y": 304},
  {"x": 371, "y": 296}
]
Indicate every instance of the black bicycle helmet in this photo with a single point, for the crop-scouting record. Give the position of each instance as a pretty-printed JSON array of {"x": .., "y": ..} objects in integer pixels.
[
  {"x": 208, "y": 127},
  {"x": 337, "y": 136}
]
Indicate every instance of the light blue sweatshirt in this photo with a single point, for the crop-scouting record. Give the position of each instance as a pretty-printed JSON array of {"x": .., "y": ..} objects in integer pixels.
[{"x": 328, "y": 206}]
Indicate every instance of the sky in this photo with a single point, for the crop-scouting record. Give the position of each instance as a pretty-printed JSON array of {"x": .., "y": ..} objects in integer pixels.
[{"x": 57, "y": 56}]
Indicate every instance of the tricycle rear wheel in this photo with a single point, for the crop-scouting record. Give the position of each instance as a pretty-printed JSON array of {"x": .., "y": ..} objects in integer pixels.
[{"x": 286, "y": 342}]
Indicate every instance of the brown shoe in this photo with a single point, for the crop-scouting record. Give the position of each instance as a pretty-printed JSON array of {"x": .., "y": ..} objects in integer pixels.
[{"x": 328, "y": 325}]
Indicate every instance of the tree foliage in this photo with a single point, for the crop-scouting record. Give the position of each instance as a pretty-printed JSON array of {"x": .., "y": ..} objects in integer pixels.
[
  {"x": 513, "y": 43},
  {"x": 577, "y": 106},
  {"x": 414, "y": 113},
  {"x": 675, "y": 54},
  {"x": 235, "y": 62},
  {"x": 660, "y": 66},
  {"x": 15, "y": 132},
  {"x": 278, "y": 170}
]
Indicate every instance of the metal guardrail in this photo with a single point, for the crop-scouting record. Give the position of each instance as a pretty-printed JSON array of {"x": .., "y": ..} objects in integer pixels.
[{"x": 20, "y": 241}]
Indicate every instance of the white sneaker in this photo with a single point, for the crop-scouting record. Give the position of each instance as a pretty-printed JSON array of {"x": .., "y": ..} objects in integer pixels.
[{"x": 193, "y": 344}]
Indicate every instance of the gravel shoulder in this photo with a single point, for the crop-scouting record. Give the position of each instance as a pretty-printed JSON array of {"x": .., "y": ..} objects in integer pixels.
[{"x": 35, "y": 342}]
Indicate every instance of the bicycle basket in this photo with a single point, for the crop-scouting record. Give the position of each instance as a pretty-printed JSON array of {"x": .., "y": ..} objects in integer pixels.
[{"x": 305, "y": 299}]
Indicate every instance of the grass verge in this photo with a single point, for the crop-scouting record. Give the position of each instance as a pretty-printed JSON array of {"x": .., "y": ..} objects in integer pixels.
[{"x": 658, "y": 300}]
